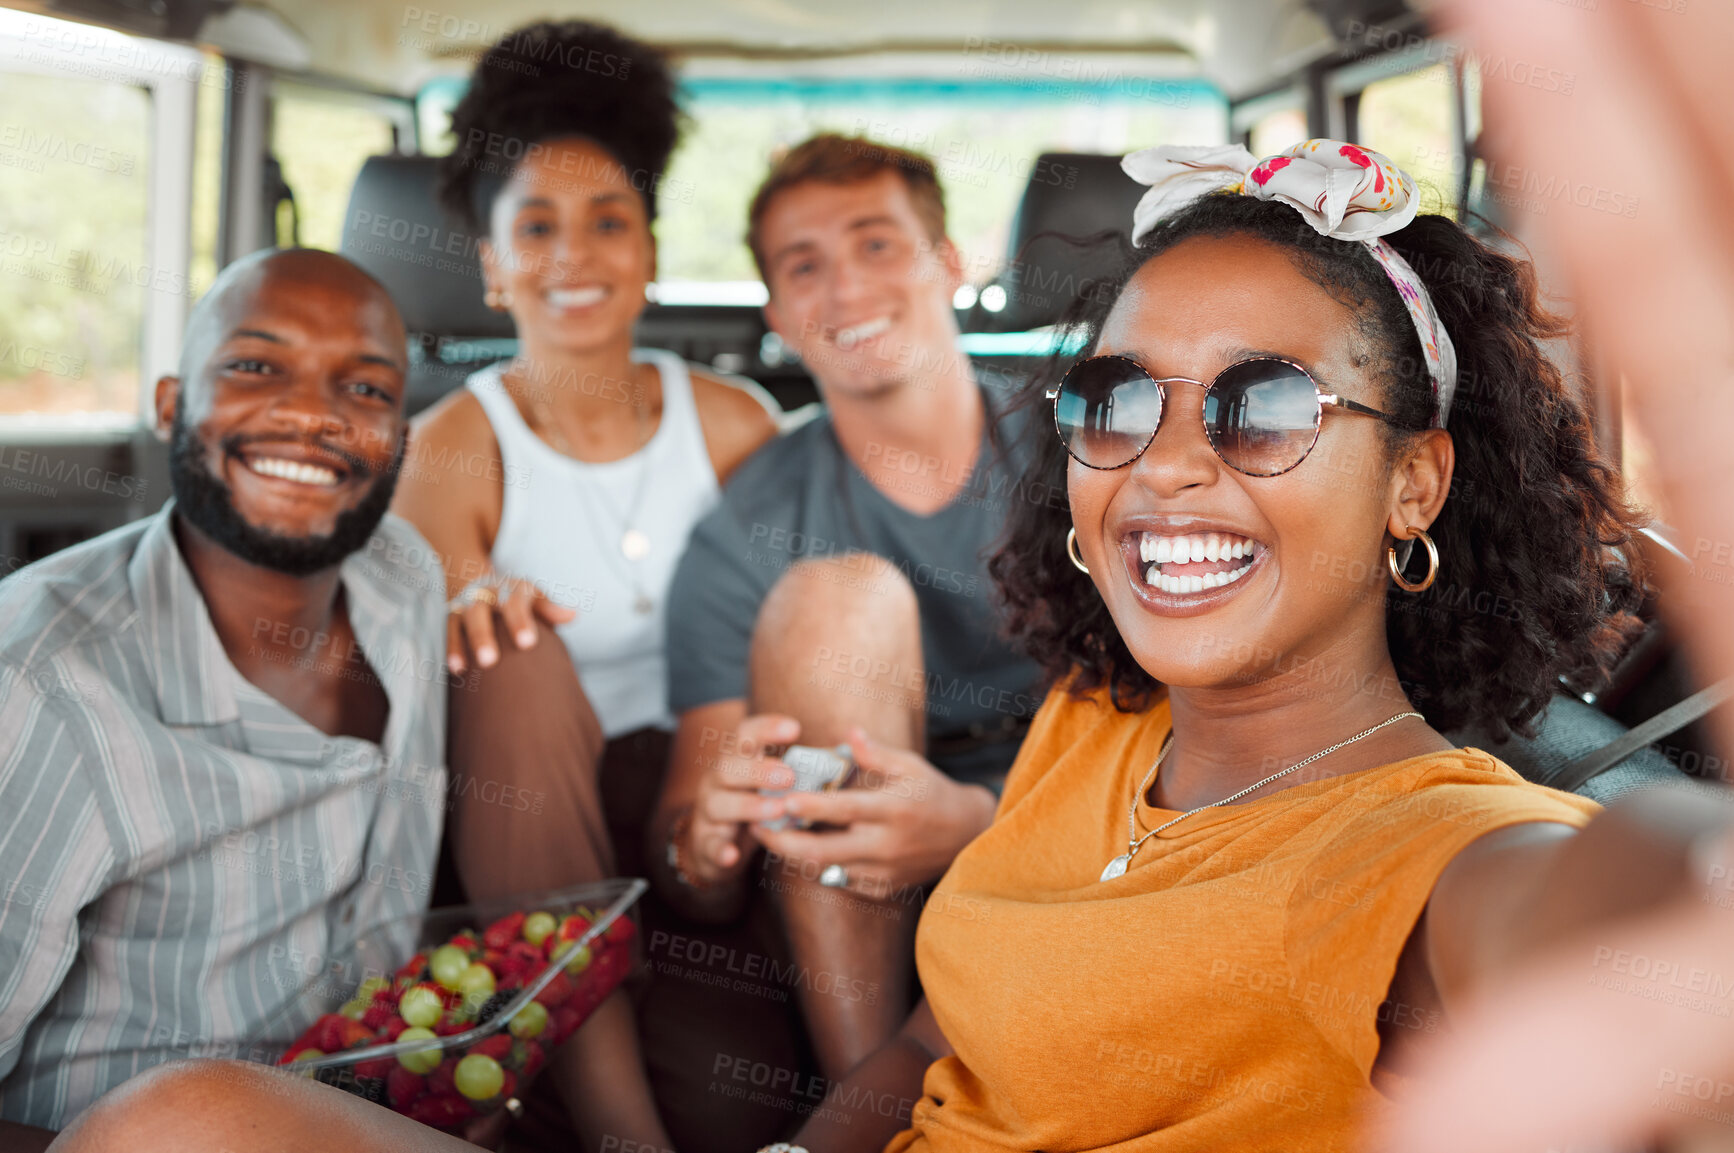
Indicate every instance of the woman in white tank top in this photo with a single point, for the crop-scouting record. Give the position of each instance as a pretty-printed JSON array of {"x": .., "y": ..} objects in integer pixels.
[{"x": 565, "y": 483}]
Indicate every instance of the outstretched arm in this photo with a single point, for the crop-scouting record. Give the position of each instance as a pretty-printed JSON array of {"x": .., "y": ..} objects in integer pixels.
[{"x": 855, "y": 1117}]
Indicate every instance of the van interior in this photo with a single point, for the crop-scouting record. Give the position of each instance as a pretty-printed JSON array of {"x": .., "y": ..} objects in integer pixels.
[{"x": 144, "y": 144}]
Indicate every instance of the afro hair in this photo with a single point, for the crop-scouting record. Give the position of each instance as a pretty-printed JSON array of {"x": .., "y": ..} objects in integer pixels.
[{"x": 558, "y": 79}]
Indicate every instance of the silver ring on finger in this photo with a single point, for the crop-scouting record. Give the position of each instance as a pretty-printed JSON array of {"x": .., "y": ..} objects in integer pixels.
[{"x": 834, "y": 877}]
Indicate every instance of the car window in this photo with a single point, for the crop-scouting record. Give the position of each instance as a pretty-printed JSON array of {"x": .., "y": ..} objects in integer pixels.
[{"x": 984, "y": 130}]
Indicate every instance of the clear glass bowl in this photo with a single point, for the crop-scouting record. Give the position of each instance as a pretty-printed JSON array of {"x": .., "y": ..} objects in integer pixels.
[{"x": 366, "y": 1069}]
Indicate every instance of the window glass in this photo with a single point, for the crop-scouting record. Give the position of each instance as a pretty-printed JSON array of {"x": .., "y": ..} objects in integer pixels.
[
  {"x": 1410, "y": 119},
  {"x": 983, "y": 136},
  {"x": 321, "y": 141},
  {"x": 1278, "y": 130},
  {"x": 207, "y": 180},
  {"x": 74, "y": 193}
]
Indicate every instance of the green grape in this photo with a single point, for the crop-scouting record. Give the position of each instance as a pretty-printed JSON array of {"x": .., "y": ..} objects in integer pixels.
[
  {"x": 580, "y": 959},
  {"x": 448, "y": 964},
  {"x": 529, "y": 1021},
  {"x": 476, "y": 979},
  {"x": 479, "y": 1077},
  {"x": 537, "y": 926},
  {"x": 421, "y": 1060},
  {"x": 421, "y": 1006},
  {"x": 309, "y": 1055},
  {"x": 356, "y": 1008},
  {"x": 371, "y": 986}
]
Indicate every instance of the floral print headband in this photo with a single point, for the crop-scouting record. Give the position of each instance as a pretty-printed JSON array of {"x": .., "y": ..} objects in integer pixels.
[{"x": 1343, "y": 190}]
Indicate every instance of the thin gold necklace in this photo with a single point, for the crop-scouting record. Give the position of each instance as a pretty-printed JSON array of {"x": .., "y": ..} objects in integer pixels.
[
  {"x": 1117, "y": 867},
  {"x": 634, "y": 542}
]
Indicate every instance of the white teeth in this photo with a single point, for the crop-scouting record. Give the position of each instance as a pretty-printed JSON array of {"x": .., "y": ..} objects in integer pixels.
[
  {"x": 848, "y": 338},
  {"x": 1161, "y": 550},
  {"x": 293, "y": 470},
  {"x": 1185, "y": 585},
  {"x": 575, "y": 297}
]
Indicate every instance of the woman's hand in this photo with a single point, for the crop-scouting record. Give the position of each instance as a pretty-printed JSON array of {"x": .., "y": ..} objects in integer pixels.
[
  {"x": 470, "y": 622},
  {"x": 903, "y": 821},
  {"x": 1621, "y": 1034}
]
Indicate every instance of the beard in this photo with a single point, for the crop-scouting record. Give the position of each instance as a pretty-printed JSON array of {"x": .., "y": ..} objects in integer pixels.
[{"x": 206, "y": 503}]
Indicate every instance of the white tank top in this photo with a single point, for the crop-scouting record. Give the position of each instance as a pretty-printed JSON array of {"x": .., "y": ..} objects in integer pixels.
[{"x": 561, "y": 526}]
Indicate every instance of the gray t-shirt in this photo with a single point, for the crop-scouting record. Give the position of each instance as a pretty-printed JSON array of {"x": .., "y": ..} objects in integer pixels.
[{"x": 800, "y": 496}]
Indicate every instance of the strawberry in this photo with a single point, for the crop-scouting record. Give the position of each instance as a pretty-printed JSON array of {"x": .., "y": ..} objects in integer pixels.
[
  {"x": 403, "y": 1087},
  {"x": 558, "y": 990},
  {"x": 504, "y": 931},
  {"x": 499, "y": 1046},
  {"x": 566, "y": 1020},
  {"x": 412, "y": 968},
  {"x": 378, "y": 1014},
  {"x": 529, "y": 1058},
  {"x": 451, "y": 1025},
  {"x": 355, "y": 1033},
  {"x": 508, "y": 1086},
  {"x": 327, "y": 1032},
  {"x": 442, "y": 1080},
  {"x": 441, "y": 1110},
  {"x": 393, "y": 1027},
  {"x": 379, "y": 1068},
  {"x": 621, "y": 930},
  {"x": 467, "y": 942}
]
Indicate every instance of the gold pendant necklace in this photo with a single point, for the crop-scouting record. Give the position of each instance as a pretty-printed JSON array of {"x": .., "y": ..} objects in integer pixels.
[
  {"x": 1117, "y": 867},
  {"x": 634, "y": 542}
]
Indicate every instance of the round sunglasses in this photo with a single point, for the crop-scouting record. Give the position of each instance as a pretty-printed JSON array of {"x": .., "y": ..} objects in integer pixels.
[{"x": 1261, "y": 415}]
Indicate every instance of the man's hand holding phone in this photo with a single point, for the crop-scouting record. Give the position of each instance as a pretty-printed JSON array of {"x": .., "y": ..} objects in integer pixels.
[
  {"x": 719, "y": 840},
  {"x": 898, "y": 824}
]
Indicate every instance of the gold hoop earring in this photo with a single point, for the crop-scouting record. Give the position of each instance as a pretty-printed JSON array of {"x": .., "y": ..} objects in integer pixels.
[
  {"x": 1403, "y": 582},
  {"x": 497, "y": 299},
  {"x": 1072, "y": 551}
]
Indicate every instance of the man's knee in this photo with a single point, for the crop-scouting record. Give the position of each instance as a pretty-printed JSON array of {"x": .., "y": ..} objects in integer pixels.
[
  {"x": 183, "y": 1105},
  {"x": 855, "y": 591}
]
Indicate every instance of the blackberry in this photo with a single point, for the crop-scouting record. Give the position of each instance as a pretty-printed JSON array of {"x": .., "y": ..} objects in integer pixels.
[{"x": 492, "y": 1006}]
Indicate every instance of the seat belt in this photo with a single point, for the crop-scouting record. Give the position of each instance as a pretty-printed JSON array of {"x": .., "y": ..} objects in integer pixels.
[{"x": 1571, "y": 777}]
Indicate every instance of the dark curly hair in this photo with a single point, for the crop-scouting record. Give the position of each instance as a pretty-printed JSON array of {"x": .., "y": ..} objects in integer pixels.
[
  {"x": 1540, "y": 576},
  {"x": 554, "y": 79}
]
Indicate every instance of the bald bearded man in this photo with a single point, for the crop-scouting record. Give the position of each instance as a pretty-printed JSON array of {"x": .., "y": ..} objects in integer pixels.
[{"x": 222, "y": 729}]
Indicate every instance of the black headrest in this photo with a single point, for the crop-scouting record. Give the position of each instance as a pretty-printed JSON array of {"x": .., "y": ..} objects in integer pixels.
[
  {"x": 1074, "y": 195},
  {"x": 429, "y": 263}
]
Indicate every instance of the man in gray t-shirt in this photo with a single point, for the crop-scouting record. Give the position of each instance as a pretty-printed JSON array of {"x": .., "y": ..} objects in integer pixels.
[
  {"x": 840, "y": 594},
  {"x": 801, "y": 497}
]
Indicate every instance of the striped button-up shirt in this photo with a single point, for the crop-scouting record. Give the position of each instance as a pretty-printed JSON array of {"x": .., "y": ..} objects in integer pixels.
[{"x": 179, "y": 853}]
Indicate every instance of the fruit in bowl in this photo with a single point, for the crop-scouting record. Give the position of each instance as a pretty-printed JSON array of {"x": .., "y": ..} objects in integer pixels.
[{"x": 459, "y": 1028}]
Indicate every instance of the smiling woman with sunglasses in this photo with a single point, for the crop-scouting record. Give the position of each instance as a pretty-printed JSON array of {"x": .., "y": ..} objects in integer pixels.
[{"x": 1238, "y": 879}]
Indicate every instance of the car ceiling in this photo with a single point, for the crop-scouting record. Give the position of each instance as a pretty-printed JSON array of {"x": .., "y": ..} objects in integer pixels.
[{"x": 1242, "y": 46}]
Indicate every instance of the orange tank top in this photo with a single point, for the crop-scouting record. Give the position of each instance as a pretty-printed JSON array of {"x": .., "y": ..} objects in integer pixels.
[{"x": 1226, "y": 992}]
